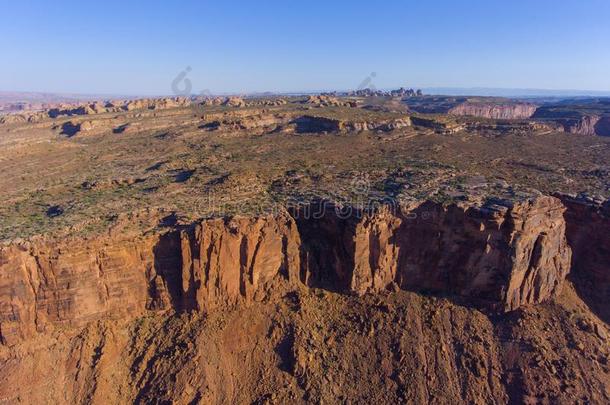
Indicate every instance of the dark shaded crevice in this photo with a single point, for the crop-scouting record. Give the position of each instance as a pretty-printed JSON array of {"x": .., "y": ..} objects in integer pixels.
[
  {"x": 285, "y": 351},
  {"x": 588, "y": 234},
  {"x": 168, "y": 265},
  {"x": 327, "y": 246}
]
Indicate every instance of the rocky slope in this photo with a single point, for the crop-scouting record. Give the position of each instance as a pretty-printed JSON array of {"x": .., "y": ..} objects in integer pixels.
[
  {"x": 587, "y": 232},
  {"x": 306, "y": 308}
]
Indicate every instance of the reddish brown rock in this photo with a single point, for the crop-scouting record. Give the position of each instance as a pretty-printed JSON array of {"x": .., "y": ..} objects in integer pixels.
[
  {"x": 326, "y": 101},
  {"x": 234, "y": 102},
  {"x": 501, "y": 257},
  {"x": 505, "y": 257},
  {"x": 588, "y": 233},
  {"x": 218, "y": 262}
]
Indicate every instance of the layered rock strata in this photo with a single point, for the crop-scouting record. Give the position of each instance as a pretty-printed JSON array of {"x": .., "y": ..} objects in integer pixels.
[
  {"x": 495, "y": 111},
  {"x": 502, "y": 257},
  {"x": 499, "y": 257}
]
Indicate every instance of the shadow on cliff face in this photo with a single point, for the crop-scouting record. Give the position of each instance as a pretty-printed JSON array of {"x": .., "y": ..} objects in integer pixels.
[
  {"x": 427, "y": 250},
  {"x": 173, "y": 284},
  {"x": 166, "y": 288},
  {"x": 602, "y": 128},
  {"x": 468, "y": 255},
  {"x": 441, "y": 247},
  {"x": 327, "y": 246},
  {"x": 588, "y": 235},
  {"x": 70, "y": 129},
  {"x": 310, "y": 124}
]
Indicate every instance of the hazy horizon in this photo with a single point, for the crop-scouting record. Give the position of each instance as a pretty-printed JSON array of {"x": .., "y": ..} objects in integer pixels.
[{"x": 432, "y": 91}]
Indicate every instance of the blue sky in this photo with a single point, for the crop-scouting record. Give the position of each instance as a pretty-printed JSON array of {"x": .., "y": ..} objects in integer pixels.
[{"x": 132, "y": 47}]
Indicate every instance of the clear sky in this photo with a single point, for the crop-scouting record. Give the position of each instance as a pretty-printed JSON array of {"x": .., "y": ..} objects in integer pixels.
[{"x": 139, "y": 47}]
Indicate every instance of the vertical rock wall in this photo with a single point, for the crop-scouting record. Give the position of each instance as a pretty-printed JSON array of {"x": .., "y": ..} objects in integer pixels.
[{"x": 500, "y": 257}]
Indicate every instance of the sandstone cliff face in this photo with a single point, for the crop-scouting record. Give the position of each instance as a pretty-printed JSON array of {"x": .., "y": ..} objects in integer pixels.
[
  {"x": 502, "y": 258},
  {"x": 583, "y": 126},
  {"x": 588, "y": 125},
  {"x": 505, "y": 257},
  {"x": 495, "y": 111},
  {"x": 225, "y": 262},
  {"x": 45, "y": 285},
  {"x": 588, "y": 232},
  {"x": 602, "y": 127}
]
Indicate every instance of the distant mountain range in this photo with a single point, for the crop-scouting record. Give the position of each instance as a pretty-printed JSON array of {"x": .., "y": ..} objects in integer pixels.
[
  {"x": 44, "y": 97},
  {"x": 503, "y": 92}
]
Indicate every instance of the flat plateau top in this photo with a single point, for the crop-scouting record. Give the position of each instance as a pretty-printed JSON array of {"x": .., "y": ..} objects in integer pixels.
[{"x": 196, "y": 162}]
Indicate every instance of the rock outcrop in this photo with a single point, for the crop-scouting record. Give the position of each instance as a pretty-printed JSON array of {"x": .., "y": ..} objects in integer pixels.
[
  {"x": 316, "y": 124},
  {"x": 329, "y": 101},
  {"x": 440, "y": 125},
  {"x": 484, "y": 107},
  {"x": 268, "y": 102},
  {"x": 502, "y": 257},
  {"x": 581, "y": 119},
  {"x": 70, "y": 110},
  {"x": 495, "y": 111},
  {"x": 588, "y": 233},
  {"x": 401, "y": 92},
  {"x": 584, "y": 125},
  {"x": 588, "y": 125},
  {"x": 44, "y": 285},
  {"x": 234, "y": 102},
  {"x": 264, "y": 122}
]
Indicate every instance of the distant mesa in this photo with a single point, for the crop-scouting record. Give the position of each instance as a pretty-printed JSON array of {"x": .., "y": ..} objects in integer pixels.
[
  {"x": 98, "y": 107},
  {"x": 484, "y": 107},
  {"x": 584, "y": 117},
  {"x": 576, "y": 116}
]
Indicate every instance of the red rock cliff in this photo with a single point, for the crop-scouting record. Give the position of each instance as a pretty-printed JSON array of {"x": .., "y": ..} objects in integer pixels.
[
  {"x": 503, "y": 257},
  {"x": 588, "y": 232}
]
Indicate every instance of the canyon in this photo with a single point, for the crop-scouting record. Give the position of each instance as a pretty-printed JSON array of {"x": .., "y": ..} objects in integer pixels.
[
  {"x": 314, "y": 249},
  {"x": 578, "y": 116},
  {"x": 493, "y": 108}
]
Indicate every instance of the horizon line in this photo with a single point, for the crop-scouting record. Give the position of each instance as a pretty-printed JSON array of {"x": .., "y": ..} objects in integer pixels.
[{"x": 533, "y": 91}]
